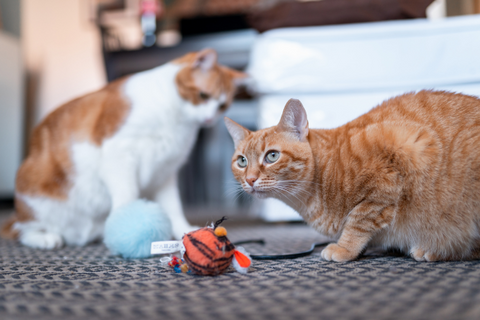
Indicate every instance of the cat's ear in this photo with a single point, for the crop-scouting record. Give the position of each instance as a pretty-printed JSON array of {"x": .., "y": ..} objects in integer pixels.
[
  {"x": 239, "y": 78},
  {"x": 294, "y": 119},
  {"x": 205, "y": 59},
  {"x": 237, "y": 132}
]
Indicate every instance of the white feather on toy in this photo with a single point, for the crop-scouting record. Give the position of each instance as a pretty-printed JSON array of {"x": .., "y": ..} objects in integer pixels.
[{"x": 242, "y": 266}]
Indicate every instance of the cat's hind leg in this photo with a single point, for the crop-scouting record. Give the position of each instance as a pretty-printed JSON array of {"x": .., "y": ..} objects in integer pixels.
[
  {"x": 474, "y": 255},
  {"x": 36, "y": 228},
  {"x": 460, "y": 249},
  {"x": 475, "y": 252},
  {"x": 31, "y": 236},
  {"x": 419, "y": 254}
]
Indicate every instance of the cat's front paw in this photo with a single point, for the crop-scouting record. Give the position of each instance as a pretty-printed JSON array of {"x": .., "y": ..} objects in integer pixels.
[
  {"x": 42, "y": 240},
  {"x": 333, "y": 252}
]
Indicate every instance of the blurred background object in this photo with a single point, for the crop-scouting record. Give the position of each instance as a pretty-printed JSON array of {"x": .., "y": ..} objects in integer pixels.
[
  {"x": 71, "y": 47},
  {"x": 11, "y": 111},
  {"x": 11, "y": 97},
  {"x": 279, "y": 14}
]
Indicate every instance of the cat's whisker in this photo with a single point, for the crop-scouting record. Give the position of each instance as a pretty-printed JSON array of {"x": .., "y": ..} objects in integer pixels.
[
  {"x": 301, "y": 200},
  {"x": 290, "y": 193},
  {"x": 299, "y": 182},
  {"x": 241, "y": 193},
  {"x": 232, "y": 182},
  {"x": 232, "y": 193},
  {"x": 296, "y": 188},
  {"x": 303, "y": 192},
  {"x": 287, "y": 196},
  {"x": 233, "y": 189},
  {"x": 245, "y": 197}
]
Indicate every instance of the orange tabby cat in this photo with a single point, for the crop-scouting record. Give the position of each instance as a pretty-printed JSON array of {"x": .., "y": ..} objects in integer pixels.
[{"x": 405, "y": 175}]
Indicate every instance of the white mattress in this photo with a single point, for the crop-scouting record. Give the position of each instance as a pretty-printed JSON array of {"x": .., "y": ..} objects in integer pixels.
[{"x": 404, "y": 55}]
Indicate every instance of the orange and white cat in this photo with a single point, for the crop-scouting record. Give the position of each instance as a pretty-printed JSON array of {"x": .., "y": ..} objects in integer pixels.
[
  {"x": 405, "y": 175},
  {"x": 123, "y": 142}
]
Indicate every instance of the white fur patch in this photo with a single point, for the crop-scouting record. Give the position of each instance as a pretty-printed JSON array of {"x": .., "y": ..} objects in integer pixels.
[{"x": 79, "y": 219}]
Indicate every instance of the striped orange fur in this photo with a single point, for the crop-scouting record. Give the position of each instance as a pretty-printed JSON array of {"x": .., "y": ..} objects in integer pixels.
[{"x": 405, "y": 175}]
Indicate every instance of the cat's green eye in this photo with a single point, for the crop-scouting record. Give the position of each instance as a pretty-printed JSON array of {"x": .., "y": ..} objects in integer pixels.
[
  {"x": 242, "y": 161},
  {"x": 272, "y": 156},
  {"x": 204, "y": 96}
]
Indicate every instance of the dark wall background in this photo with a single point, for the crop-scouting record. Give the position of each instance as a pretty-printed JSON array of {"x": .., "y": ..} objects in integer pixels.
[{"x": 10, "y": 14}]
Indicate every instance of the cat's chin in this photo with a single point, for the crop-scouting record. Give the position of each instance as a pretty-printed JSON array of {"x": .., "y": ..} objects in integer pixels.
[
  {"x": 260, "y": 194},
  {"x": 209, "y": 123}
]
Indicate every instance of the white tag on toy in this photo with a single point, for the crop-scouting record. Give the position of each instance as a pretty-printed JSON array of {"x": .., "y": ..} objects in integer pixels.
[{"x": 163, "y": 247}]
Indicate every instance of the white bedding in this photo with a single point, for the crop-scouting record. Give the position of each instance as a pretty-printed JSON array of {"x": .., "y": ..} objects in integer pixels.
[
  {"x": 406, "y": 55},
  {"x": 333, "y": 110}
]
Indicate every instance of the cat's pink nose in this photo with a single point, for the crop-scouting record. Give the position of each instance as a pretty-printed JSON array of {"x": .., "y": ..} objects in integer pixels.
[{"x": 251, "y": 181}]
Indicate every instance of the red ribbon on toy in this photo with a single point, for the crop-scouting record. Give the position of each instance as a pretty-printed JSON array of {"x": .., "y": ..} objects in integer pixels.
[{"x": 242, "y": 259}]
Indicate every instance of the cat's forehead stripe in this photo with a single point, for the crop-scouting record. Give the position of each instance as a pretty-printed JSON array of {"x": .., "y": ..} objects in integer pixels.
[
  {"x": 256, "y": 143},
  {"x": 250, "y": 146},
  {"x": 294, "y": 157}
]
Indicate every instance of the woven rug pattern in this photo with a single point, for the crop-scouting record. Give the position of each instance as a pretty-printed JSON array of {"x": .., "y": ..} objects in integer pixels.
[{"x": 89, "y": 283}]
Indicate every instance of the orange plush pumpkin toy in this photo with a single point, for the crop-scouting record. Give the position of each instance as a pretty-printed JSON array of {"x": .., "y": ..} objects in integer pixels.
[{"x": 209, "y": 252}]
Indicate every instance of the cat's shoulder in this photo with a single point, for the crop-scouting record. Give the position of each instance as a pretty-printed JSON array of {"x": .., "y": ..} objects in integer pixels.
[
  {"x": 94, "y": 116},
  {"x": 426, "y": 100}
]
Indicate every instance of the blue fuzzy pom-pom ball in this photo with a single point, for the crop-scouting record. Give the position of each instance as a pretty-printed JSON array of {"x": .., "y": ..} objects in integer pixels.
[{"x": 130, "y": 229}]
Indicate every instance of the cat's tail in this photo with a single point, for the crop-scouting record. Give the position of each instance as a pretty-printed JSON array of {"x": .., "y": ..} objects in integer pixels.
[
  {"x": 22, "y": 213},
  {"x": 7, "y": 231}
]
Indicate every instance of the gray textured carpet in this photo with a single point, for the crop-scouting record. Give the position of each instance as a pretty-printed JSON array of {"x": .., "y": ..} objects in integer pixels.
[{"x": 88, "y": 283}]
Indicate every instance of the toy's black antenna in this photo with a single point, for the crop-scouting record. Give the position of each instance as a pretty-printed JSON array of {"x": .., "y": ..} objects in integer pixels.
[{"x": 218, "y": 222}]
